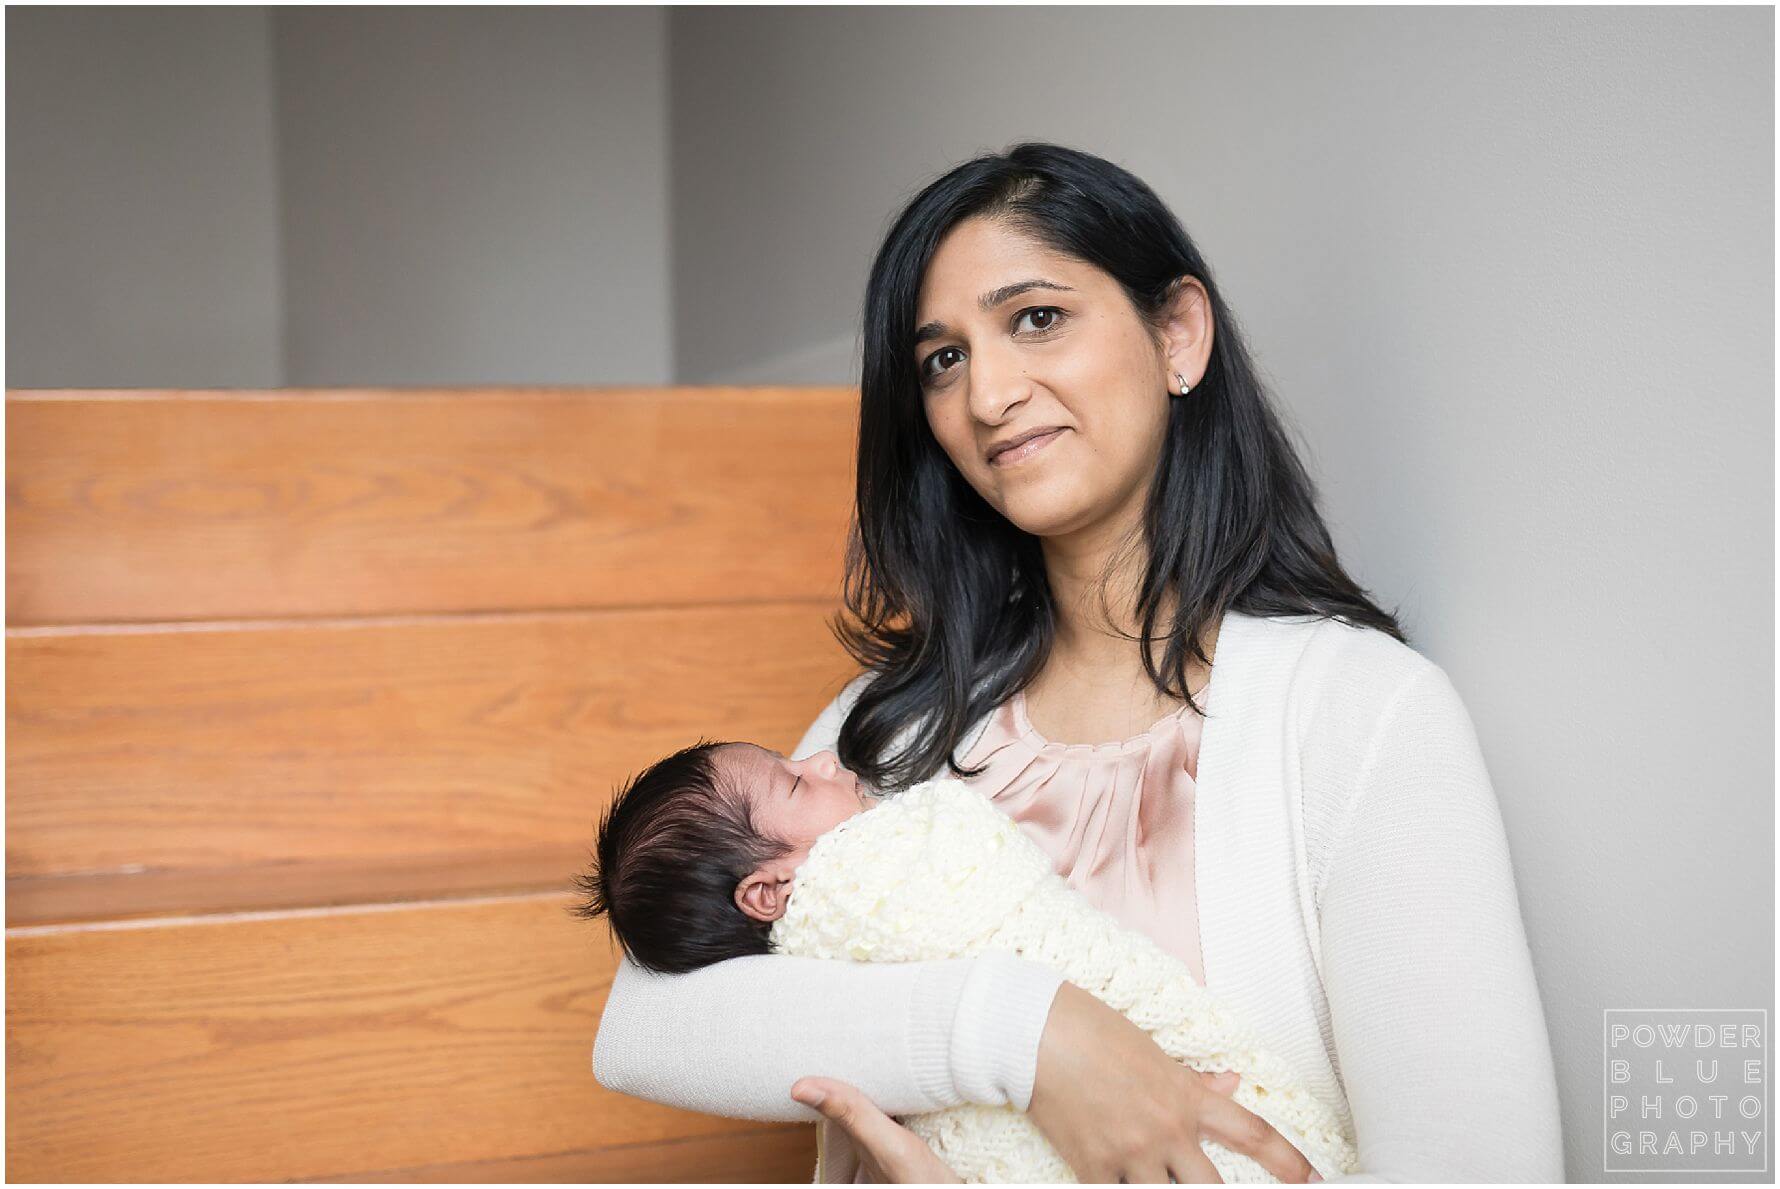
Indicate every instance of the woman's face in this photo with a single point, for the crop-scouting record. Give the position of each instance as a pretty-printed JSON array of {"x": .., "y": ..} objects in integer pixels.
[{"x": 1068, "y": 356}]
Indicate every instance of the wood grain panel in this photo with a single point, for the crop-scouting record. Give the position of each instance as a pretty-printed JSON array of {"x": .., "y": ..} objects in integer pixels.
[
  {"x": 778, "y": 1154},
  {"x": 325, "y": 1044},
  {"x": 136, "y": 506},
  {"x": 181, "y": 891},
  {"x": 421, "y": 745}
]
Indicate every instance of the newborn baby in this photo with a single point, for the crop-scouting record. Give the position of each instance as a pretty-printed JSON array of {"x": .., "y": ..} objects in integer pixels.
[
  {"x": 696, "y": 856},
  {"x": 699, "y": 857}
]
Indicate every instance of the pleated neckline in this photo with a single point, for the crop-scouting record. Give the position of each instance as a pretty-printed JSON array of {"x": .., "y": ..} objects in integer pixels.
[{"x": 1023, "y": 724}]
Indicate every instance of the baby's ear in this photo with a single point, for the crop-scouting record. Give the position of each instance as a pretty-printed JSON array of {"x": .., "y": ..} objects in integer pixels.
[{"x": 763, "y": 897}]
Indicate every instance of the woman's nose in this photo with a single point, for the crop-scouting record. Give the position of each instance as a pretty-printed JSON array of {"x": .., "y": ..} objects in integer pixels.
[{"x": 997, "y": 387}]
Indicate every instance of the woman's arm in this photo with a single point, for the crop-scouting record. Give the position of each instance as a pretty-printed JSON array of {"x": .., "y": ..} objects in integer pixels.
[
  {"x": 912, "y": 1036},
  {"x": 731, "y": 1039},
  {"x": 1436, "y": 1014}
]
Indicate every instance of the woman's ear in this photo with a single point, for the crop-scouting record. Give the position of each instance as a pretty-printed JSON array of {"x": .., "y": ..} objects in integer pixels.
[
  {"x": 1188, "y": 330},
  {"x": 763, "y": 896}
]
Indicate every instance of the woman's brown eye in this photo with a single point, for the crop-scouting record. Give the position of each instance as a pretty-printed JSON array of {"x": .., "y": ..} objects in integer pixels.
[
  {"x": 1049, "y": 313},
  {"x": 936, "y": 356}
]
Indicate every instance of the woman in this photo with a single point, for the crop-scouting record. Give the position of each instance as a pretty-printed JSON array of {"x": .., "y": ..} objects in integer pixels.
[{"x": 1079, "y": 519}]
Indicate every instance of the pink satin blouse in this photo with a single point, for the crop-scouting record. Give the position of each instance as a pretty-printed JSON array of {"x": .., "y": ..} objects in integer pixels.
[{"x": 1116, "y": 818}]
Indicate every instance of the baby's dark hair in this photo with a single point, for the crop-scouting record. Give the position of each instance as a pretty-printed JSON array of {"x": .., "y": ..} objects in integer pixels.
[{"x": 672, "y": 847}]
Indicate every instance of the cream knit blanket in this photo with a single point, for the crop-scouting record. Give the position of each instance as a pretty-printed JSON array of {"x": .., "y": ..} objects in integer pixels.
[{"x": 938, "y": 872}]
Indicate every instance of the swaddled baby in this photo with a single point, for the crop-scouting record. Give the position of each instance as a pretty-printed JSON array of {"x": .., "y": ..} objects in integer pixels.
[{"x": 728, "y": 849}]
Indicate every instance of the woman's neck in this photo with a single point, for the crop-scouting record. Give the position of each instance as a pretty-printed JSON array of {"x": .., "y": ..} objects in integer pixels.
[
  {"x": 1094, "y": 576},
  {"x": 1079, "y": 565}
]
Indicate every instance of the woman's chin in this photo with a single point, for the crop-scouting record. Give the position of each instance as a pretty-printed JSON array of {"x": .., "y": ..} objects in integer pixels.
[{"x": 1045, "y": 514}]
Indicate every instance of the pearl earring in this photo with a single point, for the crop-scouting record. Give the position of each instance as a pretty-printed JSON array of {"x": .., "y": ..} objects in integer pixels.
[{"x": 1184, "y": 386}]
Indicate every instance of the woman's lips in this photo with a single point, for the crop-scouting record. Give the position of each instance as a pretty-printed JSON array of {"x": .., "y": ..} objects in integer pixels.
[{"x": 1026, "y": 449}]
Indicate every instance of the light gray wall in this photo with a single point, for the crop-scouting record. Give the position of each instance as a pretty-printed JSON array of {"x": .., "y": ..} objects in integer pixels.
[
  {"x": 1510, "y": 273},
  {"x": 231, "y": 197},
  {"x": 141, "y": 199},
  {"x": 474, "y": 195}
]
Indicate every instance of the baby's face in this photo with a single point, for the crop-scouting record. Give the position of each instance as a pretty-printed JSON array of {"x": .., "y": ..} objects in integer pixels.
[
  {"x": 794, "y": 800},
  {"x": 797, "y": 800}
]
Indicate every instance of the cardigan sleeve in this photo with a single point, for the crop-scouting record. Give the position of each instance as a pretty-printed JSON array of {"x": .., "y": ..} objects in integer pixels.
[
  {"x": 1435, "y": 1010},
  {"x": 732, "y": 1038}
]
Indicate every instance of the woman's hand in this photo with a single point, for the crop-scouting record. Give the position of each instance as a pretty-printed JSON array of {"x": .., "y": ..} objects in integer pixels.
[
  {"x": 891, "y": 1152},
  {"x": 1117, "y": 1108}
]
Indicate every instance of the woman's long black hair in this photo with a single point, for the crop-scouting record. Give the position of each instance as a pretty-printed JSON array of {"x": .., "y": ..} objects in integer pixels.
[{"x": 948, "y": 600}]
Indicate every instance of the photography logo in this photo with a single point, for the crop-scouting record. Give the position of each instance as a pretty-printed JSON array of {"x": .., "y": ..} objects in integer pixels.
[{"x": 1685, "y": 1090}]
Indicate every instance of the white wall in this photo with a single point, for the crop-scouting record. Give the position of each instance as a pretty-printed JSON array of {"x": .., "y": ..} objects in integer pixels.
[
  {"x": 141, "y": 204},
  {"x": 1511, "y": 273},
  {"x": 474, "y": 195},
  {"x": 231, "y": 197}
]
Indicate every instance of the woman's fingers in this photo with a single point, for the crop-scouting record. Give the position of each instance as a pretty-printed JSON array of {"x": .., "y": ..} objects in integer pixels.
[
  {"x": 1241, "y": 1130},
  {"x": 1224, "y": 1081},
  {"x": 1194, "y": 1168},
  {"x": 901, "y": 1156}
]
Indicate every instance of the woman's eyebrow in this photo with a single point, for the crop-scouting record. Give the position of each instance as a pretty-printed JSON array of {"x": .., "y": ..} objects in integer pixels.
[{"x": 987, "y": 302}]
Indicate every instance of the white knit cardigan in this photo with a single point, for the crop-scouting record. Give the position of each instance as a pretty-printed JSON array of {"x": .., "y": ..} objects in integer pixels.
[
  {"x": 1356, "y": 903},
  {"x": 937, "y": 871}
]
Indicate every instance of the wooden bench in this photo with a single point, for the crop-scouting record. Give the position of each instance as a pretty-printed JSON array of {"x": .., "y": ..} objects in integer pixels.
[{"x": 313, "y": 701}]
